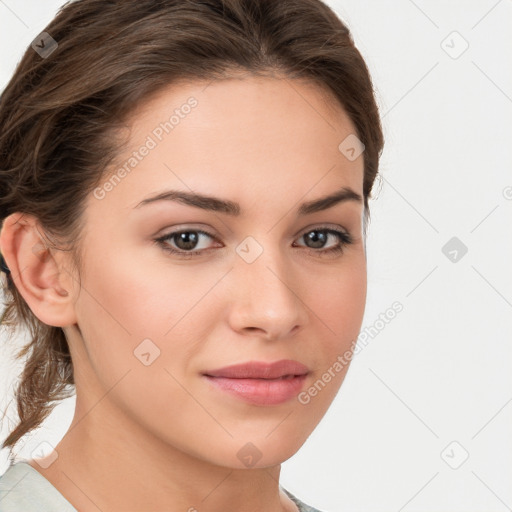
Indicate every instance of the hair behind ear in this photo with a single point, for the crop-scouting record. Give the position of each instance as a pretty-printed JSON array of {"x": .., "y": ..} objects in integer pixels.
[{"x": 47, "y": 374}]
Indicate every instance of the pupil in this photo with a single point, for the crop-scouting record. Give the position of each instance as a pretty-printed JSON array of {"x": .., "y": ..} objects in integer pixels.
[
  {"x": 319, "y": 240},
  {"x": 189, "y": 239}
]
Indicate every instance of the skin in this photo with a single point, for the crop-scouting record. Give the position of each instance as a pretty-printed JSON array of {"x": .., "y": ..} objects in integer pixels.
[{"x": 158, "y": 437}]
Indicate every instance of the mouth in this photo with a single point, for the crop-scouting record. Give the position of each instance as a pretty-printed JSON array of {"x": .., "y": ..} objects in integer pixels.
[
  {"x": 261, "y": 370},
  {"x": 260, "y": 383}
]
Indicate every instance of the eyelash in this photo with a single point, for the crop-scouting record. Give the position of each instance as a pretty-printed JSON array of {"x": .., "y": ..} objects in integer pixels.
[{"x": 344, "y": 238}]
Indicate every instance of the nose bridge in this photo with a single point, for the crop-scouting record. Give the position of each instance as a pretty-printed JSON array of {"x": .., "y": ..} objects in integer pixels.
[
  {"x": 261, "y": 262},
  {"x": 266, "y": 297}
]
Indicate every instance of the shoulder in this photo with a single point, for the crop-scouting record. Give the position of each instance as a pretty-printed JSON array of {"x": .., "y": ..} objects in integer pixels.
[
  {"x": 24, "y": 488},
  {"x": 300, "y": 505}
]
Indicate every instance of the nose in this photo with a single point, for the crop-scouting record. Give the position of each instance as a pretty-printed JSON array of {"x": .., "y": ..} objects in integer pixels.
[{"x": 266, "y": 298}]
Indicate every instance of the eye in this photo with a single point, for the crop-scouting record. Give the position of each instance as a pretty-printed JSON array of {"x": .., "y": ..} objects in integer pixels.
[
  {"x": 186, "y": 241},
  {"x": 318, "y": 237}
]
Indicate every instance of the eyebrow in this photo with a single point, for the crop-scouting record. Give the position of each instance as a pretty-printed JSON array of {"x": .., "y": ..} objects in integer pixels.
[{"x": 232, "y": 208}]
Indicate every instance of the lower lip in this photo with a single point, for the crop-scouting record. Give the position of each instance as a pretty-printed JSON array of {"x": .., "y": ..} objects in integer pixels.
[{"x": 260, "y": 391}]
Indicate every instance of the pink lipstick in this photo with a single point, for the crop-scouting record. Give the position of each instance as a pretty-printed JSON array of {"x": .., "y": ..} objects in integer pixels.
[{"x": 260, "y": 383}]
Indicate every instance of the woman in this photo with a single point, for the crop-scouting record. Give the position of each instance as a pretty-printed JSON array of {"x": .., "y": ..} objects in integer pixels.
[{"x": 184, "y": 201}]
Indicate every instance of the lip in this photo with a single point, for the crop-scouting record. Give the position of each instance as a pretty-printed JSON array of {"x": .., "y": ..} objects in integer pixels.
[
  {"x": 260, "y": 370},
  {"x": 260, "y": 383}
]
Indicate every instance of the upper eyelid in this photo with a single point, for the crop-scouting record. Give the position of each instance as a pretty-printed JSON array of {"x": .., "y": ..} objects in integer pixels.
[
  {"x": 314, "y": 227},
  {"x": 320, "y": 227}
]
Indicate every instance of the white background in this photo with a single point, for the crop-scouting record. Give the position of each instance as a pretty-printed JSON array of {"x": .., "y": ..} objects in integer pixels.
[{"x": 439, "y": 372}]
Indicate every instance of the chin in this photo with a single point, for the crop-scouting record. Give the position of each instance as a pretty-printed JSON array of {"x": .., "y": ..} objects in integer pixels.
[{"x": 258, "y": 453}]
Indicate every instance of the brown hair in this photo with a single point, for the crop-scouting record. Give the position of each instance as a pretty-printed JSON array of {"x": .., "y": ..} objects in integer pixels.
[{"x": 59, "y": 114}]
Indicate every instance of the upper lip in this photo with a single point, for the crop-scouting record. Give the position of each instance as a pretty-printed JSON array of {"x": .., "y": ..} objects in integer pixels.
[{"x": 260, "y": 370}]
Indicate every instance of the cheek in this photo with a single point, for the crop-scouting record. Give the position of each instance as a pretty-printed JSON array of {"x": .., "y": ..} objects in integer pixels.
[
  {"x": 338, "y": 302},
  {"x": 126, "y": 311},
  {"x": 139, "y": 339},
  {"x": 159, "y": 397}
]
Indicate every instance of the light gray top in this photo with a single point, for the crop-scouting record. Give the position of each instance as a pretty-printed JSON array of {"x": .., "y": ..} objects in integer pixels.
[{"x": 24, "y": 489}]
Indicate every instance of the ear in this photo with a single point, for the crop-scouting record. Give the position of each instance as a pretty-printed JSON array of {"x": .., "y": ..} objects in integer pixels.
[{"x": 37, "y": 270}]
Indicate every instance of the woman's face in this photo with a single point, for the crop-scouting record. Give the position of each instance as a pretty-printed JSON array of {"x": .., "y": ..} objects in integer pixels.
[{"x": 262, "y": 286}]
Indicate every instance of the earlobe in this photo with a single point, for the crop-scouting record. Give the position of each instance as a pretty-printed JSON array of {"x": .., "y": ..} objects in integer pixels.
[{"x": 37, "y": 270}]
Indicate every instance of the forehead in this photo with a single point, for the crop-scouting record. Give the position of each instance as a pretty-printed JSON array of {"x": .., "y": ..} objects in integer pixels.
[{"x": 246, "y": 137}]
